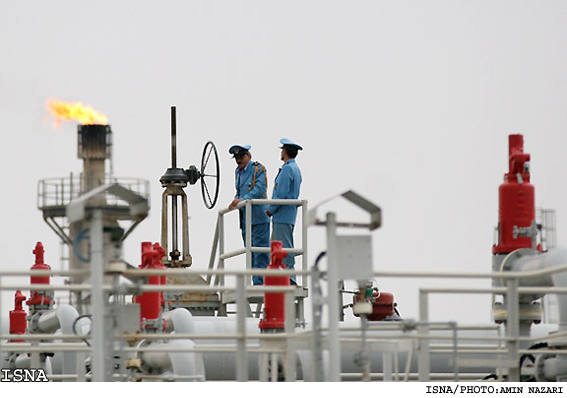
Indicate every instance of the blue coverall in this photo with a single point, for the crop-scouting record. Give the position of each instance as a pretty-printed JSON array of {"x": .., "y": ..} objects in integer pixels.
[
  {"x": 287, "y": 184},
  {"x": 251, "y": 183}
]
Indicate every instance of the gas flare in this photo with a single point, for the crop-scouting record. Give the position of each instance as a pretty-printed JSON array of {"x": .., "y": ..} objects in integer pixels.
[{"x": 84, "y": 114}]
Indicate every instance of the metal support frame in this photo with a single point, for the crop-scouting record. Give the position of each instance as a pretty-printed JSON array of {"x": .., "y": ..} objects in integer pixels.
[
  {"x": 100, "y": 369},
  {"x": 175, "y": 191},
  {"x": 513, "y": 329},
  {"x": 89, "y": 206},
  {"x": 334, "y": 297}
]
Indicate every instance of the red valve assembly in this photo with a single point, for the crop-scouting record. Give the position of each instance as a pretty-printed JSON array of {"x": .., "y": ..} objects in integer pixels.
[
  {"x": 151, "y": 303},
  {"x": 18, "y": 323},
  {"x": 516, "y": 212},
  {"x": 39, "y": 299},
  {"x": 383, "y": 305}
]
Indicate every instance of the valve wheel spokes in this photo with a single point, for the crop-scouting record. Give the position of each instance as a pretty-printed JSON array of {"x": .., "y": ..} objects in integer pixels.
[{"x": 211, "y": 195}]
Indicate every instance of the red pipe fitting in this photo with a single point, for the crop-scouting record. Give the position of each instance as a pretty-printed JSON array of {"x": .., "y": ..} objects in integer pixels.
[
  {"x": 516, "y": 200},
  {"x": 18, "y": 323},
  {"x": 274, "y": 303},
  {"x": 37, "y": 297}
]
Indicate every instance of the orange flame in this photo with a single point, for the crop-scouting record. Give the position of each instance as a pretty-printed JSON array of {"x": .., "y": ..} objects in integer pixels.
[{"x": 83, "y": 114}]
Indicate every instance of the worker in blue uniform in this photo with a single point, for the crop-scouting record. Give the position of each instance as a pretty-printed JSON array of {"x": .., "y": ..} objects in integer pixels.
[
  {"x": 252, "y": 183},
  {"x": 287, "y": 184}
]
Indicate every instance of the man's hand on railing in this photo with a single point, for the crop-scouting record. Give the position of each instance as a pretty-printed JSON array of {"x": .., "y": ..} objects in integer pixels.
[{"x": 233, "y": 204}]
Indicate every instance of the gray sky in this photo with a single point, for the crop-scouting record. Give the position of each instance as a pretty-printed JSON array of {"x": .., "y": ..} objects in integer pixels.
[{"x": 409, "y": 103}]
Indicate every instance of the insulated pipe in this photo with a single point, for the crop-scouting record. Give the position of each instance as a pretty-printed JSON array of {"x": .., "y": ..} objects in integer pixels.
[
  {"x": 560, "y": 361},
  {"x": 62, "y": 318},
  {"x": 23, "y": 361},
  {"x": 221, "y": 365},
  {"x": 527, "y": 260},
  {"x": 384, "y": 349},
  {"x": 184, "y": 363}
]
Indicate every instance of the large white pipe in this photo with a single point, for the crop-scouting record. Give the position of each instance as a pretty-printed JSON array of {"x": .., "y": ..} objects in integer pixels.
[
  {"x": 560, "y": 361},
  {"x": 525, "y": 260},
  {"x": 222, "y": 365},
  {"x": 383, "y": 349},
  {"x": 62, "y": 319},
  {"x": 553, "y": 368},
  {"x": 23, "y": 361},
  {"x": 186, "y": 365}
]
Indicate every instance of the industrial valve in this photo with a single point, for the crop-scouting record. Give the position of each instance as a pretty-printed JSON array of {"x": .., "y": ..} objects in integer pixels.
[
  {"x": 39, "y": 300},
  {"x": 18, "y": 321},
  {"x": 376, "y": 305},
  {"x": 151, "y": 303},
  {"x": 516, "y": 211}
]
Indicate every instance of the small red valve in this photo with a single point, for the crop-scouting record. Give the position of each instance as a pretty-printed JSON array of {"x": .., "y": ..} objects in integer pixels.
[{"x": 18, "y": 323}]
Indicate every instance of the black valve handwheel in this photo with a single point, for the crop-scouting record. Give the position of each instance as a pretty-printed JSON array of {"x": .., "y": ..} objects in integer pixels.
[{"x": 210, "y": 175}]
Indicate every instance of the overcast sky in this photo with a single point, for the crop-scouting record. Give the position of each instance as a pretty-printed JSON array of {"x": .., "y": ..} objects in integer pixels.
[{"x": 409, "y": 103}]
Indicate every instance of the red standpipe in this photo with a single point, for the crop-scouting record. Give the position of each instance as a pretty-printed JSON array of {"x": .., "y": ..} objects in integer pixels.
[
  {"x": 37, "y": 297},
  {"x": 151, "y": 302},
  {"x": 274, "y": 303},
  {"x": 18, "y": 323},
  {"x": 516, "y": 200}
]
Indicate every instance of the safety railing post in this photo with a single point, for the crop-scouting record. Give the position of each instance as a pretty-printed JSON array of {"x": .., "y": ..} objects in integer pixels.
[
  {"x": 248, "y": 238},
  {"x": 333, "y": 299},
  {"x": 214, "y": 250},
  {"x": 220, "y": 278},
  {"x": 290, "y": 368},
  {"x": 241, "y": 352},
  {"x": 513, "y": 329},
  {"x": 304, "y": 264},
  {"x": 1, "y": 293},
  {"x": 423, "y": 342},
  {"x": 100, "y": 369}
]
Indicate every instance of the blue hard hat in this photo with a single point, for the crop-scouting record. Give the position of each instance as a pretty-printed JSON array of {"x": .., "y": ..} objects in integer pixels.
[
  {"x": 239, "y": 150},
  {"x": 285, "y": 142}
]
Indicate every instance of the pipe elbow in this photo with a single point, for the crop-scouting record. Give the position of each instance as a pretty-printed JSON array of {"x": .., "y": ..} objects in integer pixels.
[{"x": 179, "y": 320}]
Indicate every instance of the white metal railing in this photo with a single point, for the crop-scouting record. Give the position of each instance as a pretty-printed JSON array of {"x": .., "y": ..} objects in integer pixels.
[
  {"x": 423, "y": 334},
  {"x": 220, "y": 255},
  {"x": 59, "y": 192},
  {"x": 244, "y": 344}
]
